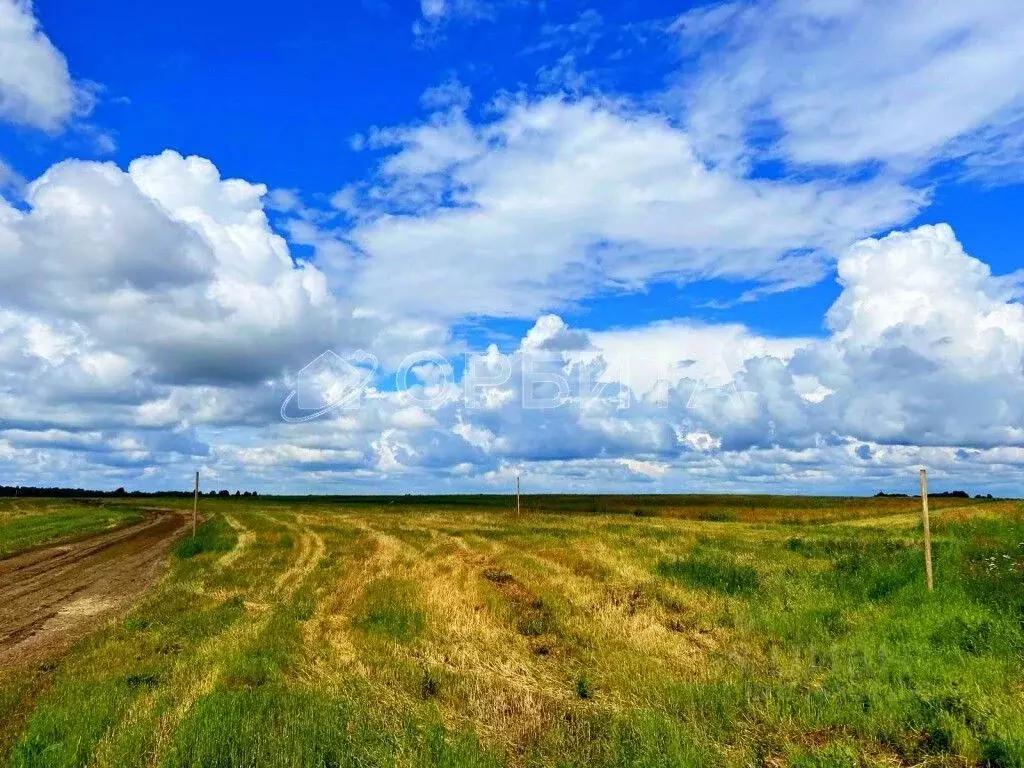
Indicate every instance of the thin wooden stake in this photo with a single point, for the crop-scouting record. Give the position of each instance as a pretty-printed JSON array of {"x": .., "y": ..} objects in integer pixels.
[
  {"x": 195, "y": 505},
  {"x": 927, "y": 530},
  {"x": 518, "y": 507}
]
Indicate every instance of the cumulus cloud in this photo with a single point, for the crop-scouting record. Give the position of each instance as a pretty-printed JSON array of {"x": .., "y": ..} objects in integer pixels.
[
  {"x": 922, "y": 364},
  {"x": 36, "y": 88},
  {"x": 924, "y": 350},
  {"x": 139, "y": 305},
  {"x": 926, "y": 333},
  {"x": 167, "y": 264},
  {"x": 668, "y": 351}
]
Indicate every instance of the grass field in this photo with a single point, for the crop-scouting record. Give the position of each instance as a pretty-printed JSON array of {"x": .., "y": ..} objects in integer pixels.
[
  {"x": 657, "y": 631},
  {"x": 28, "y": 523}
]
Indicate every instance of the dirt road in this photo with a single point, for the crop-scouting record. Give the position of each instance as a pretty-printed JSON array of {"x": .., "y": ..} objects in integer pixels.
[{"x": 51, "y": 597}]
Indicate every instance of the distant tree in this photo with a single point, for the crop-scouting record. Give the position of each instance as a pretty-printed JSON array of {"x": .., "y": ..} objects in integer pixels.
[
  {"x": 120, "y": 492},
  {"x": 224, "y": 493}
]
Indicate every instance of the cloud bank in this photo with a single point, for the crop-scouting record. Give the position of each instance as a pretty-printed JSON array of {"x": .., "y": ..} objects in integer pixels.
[{"x": 154, "y": 314}]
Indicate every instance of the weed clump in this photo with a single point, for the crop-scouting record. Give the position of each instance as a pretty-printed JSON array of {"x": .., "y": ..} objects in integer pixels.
[
  {"x": 876, "y": 571},
  {"x": 537, "y": 619},
  {"x": 498, "y": 576},
  {"x": 390, "y": 608},
  {"x": 997, "y": 753},
  {"x": 715, "y": 571},
  {"x": 584, "y": 688},
  {"x": 144, "y": 680},
  {"x": 214, "y": 535},
  {"x": 430, "y": 685}
]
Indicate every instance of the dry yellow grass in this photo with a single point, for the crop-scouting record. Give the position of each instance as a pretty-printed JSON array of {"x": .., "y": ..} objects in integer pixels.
[{"x": 605, "y": 638}]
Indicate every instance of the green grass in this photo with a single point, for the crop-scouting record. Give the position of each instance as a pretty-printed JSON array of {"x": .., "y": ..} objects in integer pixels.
[
  {"x": 214, "y": 535},
  {"x": 390, "y": 608},
  {"x": 63, "y": 734},
  {"x": 30, "y": 523},
  {"x": 272, "y": 726},
  {"x": 711, "y": 570},
  {"x": 359, "y": 633}
]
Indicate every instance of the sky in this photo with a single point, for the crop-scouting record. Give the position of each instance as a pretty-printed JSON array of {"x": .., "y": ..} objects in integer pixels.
[{"x": 429, "y": 246}]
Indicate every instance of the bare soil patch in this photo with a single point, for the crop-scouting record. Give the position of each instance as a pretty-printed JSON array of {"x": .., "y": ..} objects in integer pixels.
[{"x": 53, "y": 596}]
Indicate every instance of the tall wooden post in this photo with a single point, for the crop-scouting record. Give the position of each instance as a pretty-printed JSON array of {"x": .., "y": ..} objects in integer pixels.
[
  {"x": 927, "y": 530},
  {"x": 195, "y": 505},
  {"x": 518, "y": 507}
]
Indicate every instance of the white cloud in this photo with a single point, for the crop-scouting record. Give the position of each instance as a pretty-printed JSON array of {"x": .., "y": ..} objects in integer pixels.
[
  {"x": 926, "y": 348},
  {"x": 646, "y": 468},
  {"x": 159, "y": 299},
  {"x": 435, "y": 14},
  {"x": 843, "y": 83},
  {"x": 550, "y": 333},
  {"x": 169, "y": 264},
  {"x": 924, "y": 364},
  {"x": 450, "y": 93},
  {"x": 672, "y": 350},
  {"x": 919, "y": 289},
  {"x": 554, "y": 201},
  {"x": 36, "y": 88},
  {"x": 874, "y": 425},
  {"x": 433, "y": 9},
  {"x": 157, "y": 308},
  {"x": 152, "y": 318}
]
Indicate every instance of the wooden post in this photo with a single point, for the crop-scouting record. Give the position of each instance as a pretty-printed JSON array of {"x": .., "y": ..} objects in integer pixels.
[
  {"x": 518, "y": 507},
  {"x": 195, "y": 505},
  {"x": 927, "y": 530}
]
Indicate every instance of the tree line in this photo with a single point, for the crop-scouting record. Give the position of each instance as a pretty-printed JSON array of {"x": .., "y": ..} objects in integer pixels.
[{"x": 31, "y": 491}]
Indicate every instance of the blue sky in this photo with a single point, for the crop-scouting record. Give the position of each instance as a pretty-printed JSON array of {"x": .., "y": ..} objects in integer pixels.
[
  {"x": 804, "y": 212},
  {"x": 277, "y": 96}
]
